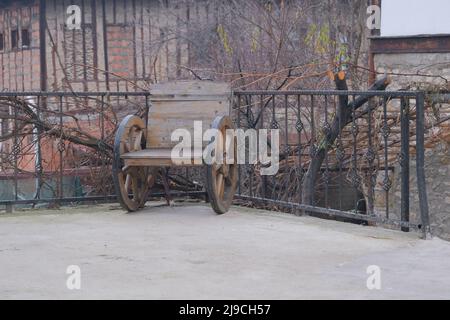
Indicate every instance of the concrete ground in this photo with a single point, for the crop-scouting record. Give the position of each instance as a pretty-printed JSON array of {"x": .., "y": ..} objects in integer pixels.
[{"x": 188, "y": 252}]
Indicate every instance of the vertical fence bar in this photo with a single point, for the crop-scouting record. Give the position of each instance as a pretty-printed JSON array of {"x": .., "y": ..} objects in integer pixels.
[
  {"x": 102, "y": 136},
  {"x": 286, "y": 124},
  {"x": 404, "y": 162},
  {"x": 261, "y": 126},
  {"x": 313, "y": 153},
  {"x": 327, "y": 130},
  {"x": 105, "y": 44},
  {"x": 38, "y": 163},
  {"x": 16, "y": 150},
  {"x": 61, "y": 147},
  {"x": 299, "y": 128},
  {"x": 370, "y": 156},
  {"x": 274, "y": 126},
  {"x": 386, "y": 133},
  {"x": 355, "y": 177},
  {"x": 250, "y": 120},
  {"x": 102, "y": 118},
  {"x": 420, "y": 164},
  {"x": 287, "y": 148},
  {"x": 340, "y": 154},
  {"x": 239, "y": 126}
]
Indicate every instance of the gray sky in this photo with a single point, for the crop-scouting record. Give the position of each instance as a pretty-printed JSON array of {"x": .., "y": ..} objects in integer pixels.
[{"x": 413, "y": 17}]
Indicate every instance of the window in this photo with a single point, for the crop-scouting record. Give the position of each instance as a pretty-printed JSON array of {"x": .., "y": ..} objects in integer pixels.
[
  {"x": 2, "y": 43},
  {"x": 14, "y": 39},
  {"x": 26, "y": 38}
]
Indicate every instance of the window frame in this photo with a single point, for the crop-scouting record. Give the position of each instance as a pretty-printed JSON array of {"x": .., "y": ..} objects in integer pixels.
[
  {"x": 14, "y": 41},
  {"x": 23, "y": 32}
]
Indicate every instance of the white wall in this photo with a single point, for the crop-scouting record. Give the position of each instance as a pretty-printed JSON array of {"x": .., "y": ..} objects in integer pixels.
[{"x": 414, "y": 17}]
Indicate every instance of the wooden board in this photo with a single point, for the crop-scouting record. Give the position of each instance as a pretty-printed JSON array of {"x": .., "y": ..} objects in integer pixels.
[
  {"x": 160, "y": 157},
  {"x": 176, "y": 105},
  {"x": 190, "y": 88}
]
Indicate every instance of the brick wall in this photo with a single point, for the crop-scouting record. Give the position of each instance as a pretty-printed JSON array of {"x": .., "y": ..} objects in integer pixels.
[{"x": 140, "y": 35}]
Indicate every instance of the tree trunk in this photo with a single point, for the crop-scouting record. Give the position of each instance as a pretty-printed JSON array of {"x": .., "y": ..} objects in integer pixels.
[{"x": 342, "y": 119}]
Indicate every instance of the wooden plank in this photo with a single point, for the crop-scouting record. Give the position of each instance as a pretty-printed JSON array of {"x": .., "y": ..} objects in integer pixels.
[
  {"x": 165, "y": 117},
  {"x": 160, "y": 157},
  {"x": 208, "y": 109},
  {"x": 192, "y": 87},
  {"x": 177, "y": 97},
  {"x": 156, "y": 163},
  {"x": 158, "y": 153},
  {"x": 176, "y": 105}
]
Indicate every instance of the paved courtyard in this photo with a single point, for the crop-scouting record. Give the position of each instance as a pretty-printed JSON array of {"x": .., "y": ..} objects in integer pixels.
[{"x": 188, "y": 252}]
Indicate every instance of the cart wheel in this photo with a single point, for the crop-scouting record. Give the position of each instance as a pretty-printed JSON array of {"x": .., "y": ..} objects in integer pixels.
[
  {"x": 222, "y": 178},
  {"x": 132, "y": 184}
]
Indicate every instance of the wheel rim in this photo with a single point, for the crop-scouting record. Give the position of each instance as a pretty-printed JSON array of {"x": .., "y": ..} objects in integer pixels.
[
  {"x": 222, "y": 178},
  {"x": 132, "y": 183}
]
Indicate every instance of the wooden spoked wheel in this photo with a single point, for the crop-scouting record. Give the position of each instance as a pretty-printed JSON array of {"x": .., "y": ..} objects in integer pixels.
[
  {"x": 222, "y": 176},
  {"x": 132, "y": 184}
]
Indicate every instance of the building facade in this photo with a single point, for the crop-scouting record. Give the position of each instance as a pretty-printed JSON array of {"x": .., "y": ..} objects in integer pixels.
[{"x": 118, "y": 45}]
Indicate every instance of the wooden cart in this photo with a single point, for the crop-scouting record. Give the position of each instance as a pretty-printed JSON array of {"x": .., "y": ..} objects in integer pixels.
[{"x": 142, "y": 149}]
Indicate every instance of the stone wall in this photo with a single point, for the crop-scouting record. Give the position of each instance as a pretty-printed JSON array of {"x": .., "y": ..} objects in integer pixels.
[
  {"x": 415, "y": 68},
  {"x": 437, "y": 170},
  {"x": 425, "y": 72}
]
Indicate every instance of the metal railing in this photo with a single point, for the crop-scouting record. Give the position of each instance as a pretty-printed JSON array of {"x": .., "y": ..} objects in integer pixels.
[
  {"x": 344, "y": 154},
  {"x": 56, "y": 147}
]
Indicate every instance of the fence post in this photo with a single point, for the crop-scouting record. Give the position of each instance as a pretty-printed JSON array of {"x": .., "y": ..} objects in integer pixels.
[
  {"x": 404, "y": 162},
  {"x": 420, "y": 164},
  {"x": 16, "y": 151},
  {"x": 61, "y": 149},
  {"x": 38, "y": 149},
  {"x": 238, "y": 127}
]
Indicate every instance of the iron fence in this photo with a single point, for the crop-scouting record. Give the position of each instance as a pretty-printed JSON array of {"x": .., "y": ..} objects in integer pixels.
[
  {"x": 56, "y": 147},
  {"x": 344, "y": 154}
]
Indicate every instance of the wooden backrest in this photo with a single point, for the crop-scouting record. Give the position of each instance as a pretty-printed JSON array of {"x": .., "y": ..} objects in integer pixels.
[{"x": 177, "y": 104}]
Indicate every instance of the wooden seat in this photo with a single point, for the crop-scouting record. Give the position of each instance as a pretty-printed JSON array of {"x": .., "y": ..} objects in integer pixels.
[
  {"x": 190, "y": 106},
  {"x": 160, "y": 157}
]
